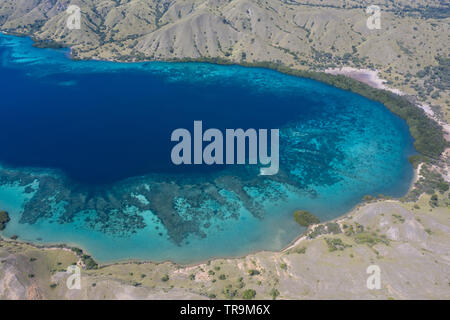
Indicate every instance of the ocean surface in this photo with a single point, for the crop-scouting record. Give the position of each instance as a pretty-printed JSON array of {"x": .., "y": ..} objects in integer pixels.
[{"x": 85, "y": 155}]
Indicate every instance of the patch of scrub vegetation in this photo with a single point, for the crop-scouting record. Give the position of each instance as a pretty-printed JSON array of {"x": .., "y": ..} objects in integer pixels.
[
  {"x": 274, "y": 293},
  {"x": 77, "y": 251},
  {"x": 4, "y": 219},
  {"x": 435, "y": 78},
  {"x": 370, "y": 238},
  {"x": 319, "y": 230},
  {"x": 398, "y": 218},
  {"x": 428, "y": 134},
  {"x": 333, "y": 228},
  {"x": 248, "y": 294},
  {"x": 165, "y": 278},
  {"x": 89, "y": 262},
  {"x": 352, "y": 229},
  {"x": 362, "y": 236},
  {"x": 301, "y": 250},
  {"x": 368, "y": 198},
  {"x": 425, "y": 11},
  {"x": 229, "y": 293},
  {"x": 335, "y": 244},
  {"x": 253, "y": 272},
  {"x": 435, "y": 201},
  {"x": 305, "y": 218},
  {"x": 240, "y": 283}
]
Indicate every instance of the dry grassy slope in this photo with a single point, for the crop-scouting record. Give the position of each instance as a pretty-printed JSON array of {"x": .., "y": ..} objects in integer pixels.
[{"x": 297, "y": 33}]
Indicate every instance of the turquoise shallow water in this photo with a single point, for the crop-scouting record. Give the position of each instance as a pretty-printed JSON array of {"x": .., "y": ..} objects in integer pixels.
[{"x": 85, "y": 159}]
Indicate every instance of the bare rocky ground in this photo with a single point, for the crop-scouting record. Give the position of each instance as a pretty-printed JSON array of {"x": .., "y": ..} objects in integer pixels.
[{"x": 410, "y": 242}]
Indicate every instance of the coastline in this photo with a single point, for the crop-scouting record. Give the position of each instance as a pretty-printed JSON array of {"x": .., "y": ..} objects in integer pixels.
[
  {"x": 400, "y": 232},
  {"x": 372, "y": 78},
  {"x": 431, "y": 138},
  {"x": 373, "y": 81},
  {"x": 295, "y": 242}
]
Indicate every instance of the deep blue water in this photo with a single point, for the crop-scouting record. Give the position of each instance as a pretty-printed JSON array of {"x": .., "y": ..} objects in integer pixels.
[{"x": 105, "y": 128}]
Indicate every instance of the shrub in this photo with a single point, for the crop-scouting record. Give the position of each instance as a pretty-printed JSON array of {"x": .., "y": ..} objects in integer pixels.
[
  {"x": 78, "y": 251},
  {"x": 370, "y": 239},
  {"x": 319, "y": 230},
  {"x": 89, "y": 262},
  {"x": 229, "y": 294}
]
